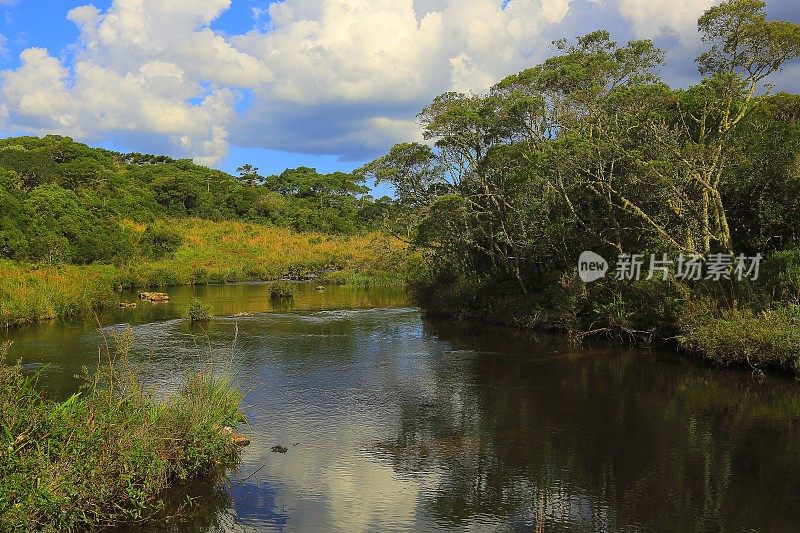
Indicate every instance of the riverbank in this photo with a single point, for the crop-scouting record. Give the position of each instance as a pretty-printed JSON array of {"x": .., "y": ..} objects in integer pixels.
[
  {"x": 209, "y": 253},
  {"x": 746, "y": 334},
  {"x": 105, "y": 456}
]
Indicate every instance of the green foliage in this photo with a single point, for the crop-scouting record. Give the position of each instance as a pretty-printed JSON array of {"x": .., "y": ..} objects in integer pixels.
[
  {"x": 198, "y": 311},
  {"x": 64, "y": 202},
  {"x": 159, "y": 241},
  {"x": 248, "y": 175},
  {"x": 105, "y": 455},
  {"x": 590, "y": 150},
  {"x": 741, "y": 40},
  {"x": 413, "y": 170},
  {"x": 781, "y": 273},
  {"x": 282, "y": 289}
]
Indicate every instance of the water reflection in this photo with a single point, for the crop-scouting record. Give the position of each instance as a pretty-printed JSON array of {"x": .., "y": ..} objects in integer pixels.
[{"x": 394, "y": 422}]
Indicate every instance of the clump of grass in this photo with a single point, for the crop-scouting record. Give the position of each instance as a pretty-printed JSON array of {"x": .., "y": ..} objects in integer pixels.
[
  {"x": 105, "y": 456},
  {"x": 198, "y": 311},
  {"x": 769, "y": 339},
  {"x": 282, "y": 289}
]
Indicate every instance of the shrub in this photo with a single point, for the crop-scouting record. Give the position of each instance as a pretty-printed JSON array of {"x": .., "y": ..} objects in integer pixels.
[
  {"x": 159, "y": 241},
  {"x": 198, "y": 311},
  {"x": 282, "y": 289},
  {"x": 782, "y": 275}
]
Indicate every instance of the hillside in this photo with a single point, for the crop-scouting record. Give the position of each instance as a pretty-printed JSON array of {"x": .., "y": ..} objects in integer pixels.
[{"x": 65, "y": 202}]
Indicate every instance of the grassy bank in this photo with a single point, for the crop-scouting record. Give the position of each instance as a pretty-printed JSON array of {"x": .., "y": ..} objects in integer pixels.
[
  {"x": 209, "y": 252},
  {"x": 105, "y": 456},
  {"x": 768, "y": 339}
]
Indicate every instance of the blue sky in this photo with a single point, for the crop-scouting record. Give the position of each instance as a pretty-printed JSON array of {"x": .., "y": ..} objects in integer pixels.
[
  {"x": 322, "y": 83},
  {"x": 43, "y": 23}
]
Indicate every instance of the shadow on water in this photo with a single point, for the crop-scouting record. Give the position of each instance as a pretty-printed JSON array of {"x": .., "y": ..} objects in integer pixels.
[{"x": 395, "y": 422}]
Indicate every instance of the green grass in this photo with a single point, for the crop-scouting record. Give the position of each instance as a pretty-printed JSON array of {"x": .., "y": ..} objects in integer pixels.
[
  {"x": 769, "y": 339},
  {"x": 105, "y": 456}
]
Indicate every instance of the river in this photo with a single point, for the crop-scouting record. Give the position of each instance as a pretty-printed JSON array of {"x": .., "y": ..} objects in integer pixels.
[{"x": 394, "y": 422}]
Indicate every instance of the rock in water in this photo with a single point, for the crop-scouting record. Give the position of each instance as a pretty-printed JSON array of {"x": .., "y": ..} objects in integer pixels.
[{"x": 279, "y": 449}]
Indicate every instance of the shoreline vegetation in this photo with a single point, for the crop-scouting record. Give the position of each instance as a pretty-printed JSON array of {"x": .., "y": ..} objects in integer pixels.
[
  {"x": 592, "y": 151},
  {"x": 210, "y": 253},
  {"x": 105, "y": 456}
]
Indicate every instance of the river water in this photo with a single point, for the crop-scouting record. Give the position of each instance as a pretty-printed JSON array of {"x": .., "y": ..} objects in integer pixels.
[{"x": 394, "y": 422}]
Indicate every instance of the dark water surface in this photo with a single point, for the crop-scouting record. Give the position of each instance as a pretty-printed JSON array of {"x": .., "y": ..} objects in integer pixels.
[{"x": 397, "y": 423}]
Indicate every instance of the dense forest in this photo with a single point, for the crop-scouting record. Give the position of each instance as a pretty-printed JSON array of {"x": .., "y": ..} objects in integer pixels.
[
  {"x": 64, "y": 202},
  {"x": 591, "y": 150}
]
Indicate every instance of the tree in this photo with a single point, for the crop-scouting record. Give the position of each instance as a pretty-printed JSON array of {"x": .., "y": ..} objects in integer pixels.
[
  {"x": 745, "y": 49},
  {"x": 412, "y": 169},
  {"x": 248, "y": 175}
]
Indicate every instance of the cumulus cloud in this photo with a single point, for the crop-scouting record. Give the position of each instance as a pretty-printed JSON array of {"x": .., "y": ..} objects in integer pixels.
[
  {"x": 342, "y": 77},
  {"x": 656, "y": 17},
  {"x": 350, "y": 75}
]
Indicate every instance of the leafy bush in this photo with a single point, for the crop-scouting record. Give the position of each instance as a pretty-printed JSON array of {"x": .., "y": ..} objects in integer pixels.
[
  {"x": 781, "y": 275},
  {"x": 198, "y": 311}
]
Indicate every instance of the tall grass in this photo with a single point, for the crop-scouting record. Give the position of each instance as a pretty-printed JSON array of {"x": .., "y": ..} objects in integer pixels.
[
  {"x": 105, "y": 456},
  {"x": 30, "y": 294},
  {"x": 211, "y": 252}
]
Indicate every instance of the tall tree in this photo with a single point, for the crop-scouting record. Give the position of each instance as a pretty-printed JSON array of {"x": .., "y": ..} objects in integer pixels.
[{"x": 248, "y": 175}]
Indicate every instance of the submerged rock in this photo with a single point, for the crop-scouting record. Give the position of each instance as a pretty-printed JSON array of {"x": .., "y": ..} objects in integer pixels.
[{"x": 279, "y": 449}]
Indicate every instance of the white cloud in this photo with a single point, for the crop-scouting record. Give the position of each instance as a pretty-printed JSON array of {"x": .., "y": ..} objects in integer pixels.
[
  {"x": 389, "y": 57},
  {"x": 341, "y": 77},
  {"x": 652, "y": 18}
]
